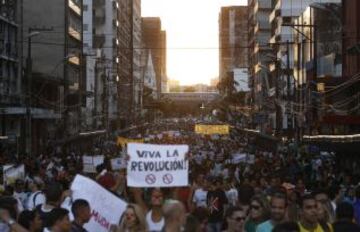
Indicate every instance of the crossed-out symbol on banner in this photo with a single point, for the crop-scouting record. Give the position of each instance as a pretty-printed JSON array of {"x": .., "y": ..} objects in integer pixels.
[{"x": 150, "y": 179}]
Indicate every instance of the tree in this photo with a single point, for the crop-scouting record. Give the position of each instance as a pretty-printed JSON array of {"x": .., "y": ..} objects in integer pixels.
[{"x": 189, "y": 89}]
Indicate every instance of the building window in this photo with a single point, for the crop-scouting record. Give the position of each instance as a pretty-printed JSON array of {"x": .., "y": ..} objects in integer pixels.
[
  {"x": 85, "y": 27},
  {"x": 85, "y": 7}
]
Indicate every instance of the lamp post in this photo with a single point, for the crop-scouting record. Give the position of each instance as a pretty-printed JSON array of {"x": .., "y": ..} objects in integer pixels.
[
  {"x": 202, "y": 107},
  {"x": 28, "y": 92}
]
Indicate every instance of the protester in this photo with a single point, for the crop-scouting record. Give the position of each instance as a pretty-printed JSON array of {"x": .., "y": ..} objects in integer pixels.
[
  {"x": 58, "y": 221},
  {"x": 53, "y": 194},
  {"x": 259, "y": 213},
  {"x": 30, "y": 220},
  {"x": 20, "y": 194},
  {"x": 8, "y": 215},
  {"x": 278, "y": 205},
  {"x": 235, "y": 218},
  {"x": 82, "y": 214},
  {"x": 37, "y": 197},
  {"x": 133, "y": 220},
  {"x": 154, "y": 216},
  {"x": 309, "y": 221},
  {"x": 216, "y": 183},
  {"x": 200, "y": 192},
  {"x": 344, "y": 218},
  {"x": 175, "y": 216},
  {"x": 216, "y": 201}
]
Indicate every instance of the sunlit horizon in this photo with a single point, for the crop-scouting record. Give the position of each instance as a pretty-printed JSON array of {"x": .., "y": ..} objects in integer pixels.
[{"x": 192, "y": 36}]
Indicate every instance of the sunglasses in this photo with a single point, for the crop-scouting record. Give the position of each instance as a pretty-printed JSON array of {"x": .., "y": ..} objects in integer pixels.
[
  {"x": 239, "y": 219},
  {"x": 256, "y": 207}
]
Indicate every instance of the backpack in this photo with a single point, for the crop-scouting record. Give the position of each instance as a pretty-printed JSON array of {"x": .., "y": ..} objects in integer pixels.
[{"x": 34, "y": 198}]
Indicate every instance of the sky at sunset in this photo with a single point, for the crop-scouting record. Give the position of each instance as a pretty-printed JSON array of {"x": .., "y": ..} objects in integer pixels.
[{"x": 192, "y": 36}]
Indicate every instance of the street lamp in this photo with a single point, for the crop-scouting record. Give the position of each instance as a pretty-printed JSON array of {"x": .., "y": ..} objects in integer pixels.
[{"x": 28, "y": 90}]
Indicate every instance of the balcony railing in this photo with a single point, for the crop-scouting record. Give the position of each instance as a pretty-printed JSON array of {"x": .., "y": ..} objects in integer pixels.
[
  {"x": 74, "y": 33},
  {"x": 98, "y": 3},
  {"x": 75, "y": 7},
  {"x": 99, "y": 40}
]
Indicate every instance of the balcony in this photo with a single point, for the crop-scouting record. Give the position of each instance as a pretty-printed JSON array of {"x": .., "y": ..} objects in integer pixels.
[
  {"x": 74, "y": 33},
  {"x": 75, "y": 7},
  {"x": 99, "y": 40},
  {"x": 274, "y": 14},
  {"x": 99, "y": 3},
  {"x": 99, "y": 16},
  {"x": 75, "y": 60}
]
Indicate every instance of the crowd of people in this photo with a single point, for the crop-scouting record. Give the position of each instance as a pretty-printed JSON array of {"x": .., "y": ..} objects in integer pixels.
[{"x": 234, "y": 186}]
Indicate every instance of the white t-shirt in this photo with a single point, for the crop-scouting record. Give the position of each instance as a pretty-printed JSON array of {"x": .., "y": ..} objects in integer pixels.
[
  {"x": 154, "y": 226},
  {"x": 199, "y": 198},
  {"x": 232, "y": 196},
  {"x": 35, "y": 199}
]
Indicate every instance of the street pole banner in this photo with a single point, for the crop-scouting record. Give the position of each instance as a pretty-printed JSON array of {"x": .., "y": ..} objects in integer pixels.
[
  {"x": 157, "y": 165},
  {"x": 122, "y": 141},
  {"x": 212, "y": 129},
  {"x": 106, "y": 208},
  {"x": 90, "y": 163}
]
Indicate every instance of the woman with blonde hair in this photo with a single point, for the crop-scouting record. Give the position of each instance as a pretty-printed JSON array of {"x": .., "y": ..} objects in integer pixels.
[{"x": 132, "y": 220}]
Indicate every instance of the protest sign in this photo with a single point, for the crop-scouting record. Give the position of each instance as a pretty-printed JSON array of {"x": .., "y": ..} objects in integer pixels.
[
  {"x": 106, "y": 208},
  {"x": 90, "y": 163},
  {"x": 118, "y": 163},
  {"x": 157, "y": 165},
  {"x": 121, "y": 141},
  {"x": 11, "y": 173},
  {"x": 212, "y": 129},
  {"x": 239, "y": 158}
]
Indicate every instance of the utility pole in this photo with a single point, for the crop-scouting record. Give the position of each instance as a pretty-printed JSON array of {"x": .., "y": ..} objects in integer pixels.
[
  {"x": 131, "y": 59},
  {"x": 287, "y": 109},
  {"x": 95, "y": 96},
  {"x": 32, "y": 31}
]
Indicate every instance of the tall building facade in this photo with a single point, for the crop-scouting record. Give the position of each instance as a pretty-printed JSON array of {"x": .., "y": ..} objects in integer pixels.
[
  {"x": 138, "y": 81},
  {"x": 57, "y": 82},
  {"x": 164, "y": 77},
  {"x": 312, "y": 87},
  {"x": 233, "y": 39},
  {"x": 12, "y": 110},
  {"x": 155, "y": 40},
  {"x": 259, "y": 36}
]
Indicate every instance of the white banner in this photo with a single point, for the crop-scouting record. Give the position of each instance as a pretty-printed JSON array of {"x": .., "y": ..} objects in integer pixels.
[
  {"x": 106, "y": 208},
  {"x": 157, "y": 165},
  {"x": 90, "y": 163},
  {"x": 11, "y": 173},
  {"x": 239, "y": 158}
]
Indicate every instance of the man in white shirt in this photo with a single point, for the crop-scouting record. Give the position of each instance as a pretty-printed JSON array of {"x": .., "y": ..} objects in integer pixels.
[
  {"x": 199, "y": 197},
  {"x": 37, "y": 197}
]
